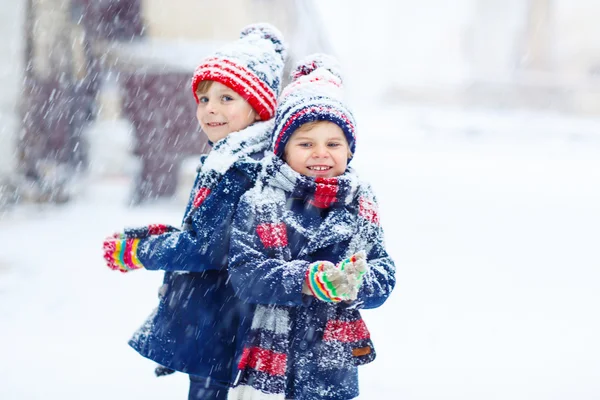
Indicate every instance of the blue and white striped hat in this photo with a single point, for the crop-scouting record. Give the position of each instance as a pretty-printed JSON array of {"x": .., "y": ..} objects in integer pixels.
[{"x": 315, "y": 94}]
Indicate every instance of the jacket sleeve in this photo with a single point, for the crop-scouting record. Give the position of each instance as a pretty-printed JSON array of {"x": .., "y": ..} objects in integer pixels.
[
  {"x": 204, "y": 246},
  {"x": 174, "y": 251},
  {"x": 257, "y": 274},
  {"x": 380, "y": 279}
]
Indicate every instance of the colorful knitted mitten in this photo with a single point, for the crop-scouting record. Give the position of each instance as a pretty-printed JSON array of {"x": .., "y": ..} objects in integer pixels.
[
  {"x": 354, "y": 267},
  {"x": 120, "y": 253},
  {"x": 327, "y": 282},
  {"x": 120, "y": 249}
]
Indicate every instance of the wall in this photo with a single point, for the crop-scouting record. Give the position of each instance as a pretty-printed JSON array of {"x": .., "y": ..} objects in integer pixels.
[
  {"x": 11, "y": 63},
  {"x": 507, "y": 53}
]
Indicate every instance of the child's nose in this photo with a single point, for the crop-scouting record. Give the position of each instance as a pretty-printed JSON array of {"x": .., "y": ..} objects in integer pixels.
[
  {"x": 320, "y": 151},
  {"x": 211, "y": 107}
]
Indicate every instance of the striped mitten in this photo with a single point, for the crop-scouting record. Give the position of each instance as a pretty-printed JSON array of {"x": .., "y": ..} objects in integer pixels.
[
  {"x": 326, "y": 282},
  {"x": 120, "y": 253},
  {"x": 354, "y": 268}
]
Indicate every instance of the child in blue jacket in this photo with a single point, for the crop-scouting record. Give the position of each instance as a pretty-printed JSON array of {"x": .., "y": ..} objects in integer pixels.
[
  {"x": 307, "y": 252},
  {"x": 194, "y": 326}
]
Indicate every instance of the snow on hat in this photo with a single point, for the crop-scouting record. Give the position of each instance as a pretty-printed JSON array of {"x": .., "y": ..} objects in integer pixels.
[
  {"x": 252, "y": 66},
  {"x": 315, "y": 94}
]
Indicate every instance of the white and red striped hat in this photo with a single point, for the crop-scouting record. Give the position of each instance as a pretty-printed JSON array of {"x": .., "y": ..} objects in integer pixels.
[{"x": 252, "y": 66}]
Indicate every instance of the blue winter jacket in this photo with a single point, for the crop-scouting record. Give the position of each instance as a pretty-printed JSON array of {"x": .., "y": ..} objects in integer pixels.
[
  {"x": 194, "y": 327},
  {"x": 258, "y": 278}
]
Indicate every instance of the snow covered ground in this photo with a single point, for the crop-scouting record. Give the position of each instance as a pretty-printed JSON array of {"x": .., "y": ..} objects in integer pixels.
[{"x": 493, "y": 219}]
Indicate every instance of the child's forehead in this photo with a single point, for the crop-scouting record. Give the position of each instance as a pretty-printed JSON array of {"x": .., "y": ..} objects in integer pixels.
[
  {"x": 316, "y": 129},
  {"x": 214, "y": 87}
]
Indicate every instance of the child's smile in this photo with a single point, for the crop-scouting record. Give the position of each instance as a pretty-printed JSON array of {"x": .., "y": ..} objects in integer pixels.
[{"x": 320, "y": 170}]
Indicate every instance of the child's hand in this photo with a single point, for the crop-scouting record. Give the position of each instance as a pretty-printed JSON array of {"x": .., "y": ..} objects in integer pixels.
[
  {"x": 120, "y": 253},
  {"x": 327, "y": 282},
  {"x": 354, "y": 267},
  {"x": 120, "y": 249}
]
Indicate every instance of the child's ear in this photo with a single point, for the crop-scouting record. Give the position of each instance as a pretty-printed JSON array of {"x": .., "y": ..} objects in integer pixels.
[{"x": 256, "y": 117}]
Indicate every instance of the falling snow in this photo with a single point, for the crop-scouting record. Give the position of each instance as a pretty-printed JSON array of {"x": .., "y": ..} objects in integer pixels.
[{"x": 491, "y": 216}]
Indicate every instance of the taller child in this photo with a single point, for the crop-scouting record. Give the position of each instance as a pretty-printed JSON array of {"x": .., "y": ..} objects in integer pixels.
[{"x": 193, "y": 329}]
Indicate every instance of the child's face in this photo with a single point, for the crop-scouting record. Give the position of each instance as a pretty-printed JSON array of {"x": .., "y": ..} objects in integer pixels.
[
  {"x": 319, "y": 150},
  {"x": 222, "y": 111}
]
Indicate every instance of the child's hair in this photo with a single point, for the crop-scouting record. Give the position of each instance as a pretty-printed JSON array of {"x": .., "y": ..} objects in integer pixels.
[
  {"x": 307, "y": 126},
  {"x": 203, "y": 87},
  {"x": 252, "y": 66},
  {"x": 315, "y": 94}
]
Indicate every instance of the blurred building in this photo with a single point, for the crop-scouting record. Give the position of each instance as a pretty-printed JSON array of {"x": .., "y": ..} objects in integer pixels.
[
  {"x": 74, "y": 65},
  {"x": 535, "y": 54},
  {"x": 147, "y": 49}
]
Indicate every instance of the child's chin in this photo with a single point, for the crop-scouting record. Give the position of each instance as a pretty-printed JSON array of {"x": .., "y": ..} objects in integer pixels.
[
  {"x": 313, "y": 174},
  {"x": 216, "y": 135}
]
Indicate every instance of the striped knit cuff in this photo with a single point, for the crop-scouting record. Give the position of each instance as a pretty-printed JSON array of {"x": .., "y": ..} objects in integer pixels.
[
  {"x": 319, "y": 284},
  {"x": 148, "y": 230},
  {"x": 125, "y": 255}
]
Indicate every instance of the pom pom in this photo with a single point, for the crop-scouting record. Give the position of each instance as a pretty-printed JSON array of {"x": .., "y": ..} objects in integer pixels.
[
  {"x": 268, "y": 32},
  {"x": 319, "y": 60}
]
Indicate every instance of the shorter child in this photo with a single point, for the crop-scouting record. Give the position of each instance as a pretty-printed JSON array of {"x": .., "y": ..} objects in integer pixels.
[{"x": 307, "y": 251}]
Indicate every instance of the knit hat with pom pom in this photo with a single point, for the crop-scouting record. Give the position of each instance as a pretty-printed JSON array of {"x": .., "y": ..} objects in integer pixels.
[
  {"x": 315, "y": 94},
  {"x": 252, "y": 66}
]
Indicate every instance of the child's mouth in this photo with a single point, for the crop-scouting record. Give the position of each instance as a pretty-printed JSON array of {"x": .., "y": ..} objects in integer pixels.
[
  {"x": 215, "y": 124},
  {"x": 319, "y": 168}
]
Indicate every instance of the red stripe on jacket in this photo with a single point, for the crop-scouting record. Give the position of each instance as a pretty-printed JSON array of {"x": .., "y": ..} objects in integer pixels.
[
  {"x": 272, "y": 234},
  {"x": 200, "y": 196}
]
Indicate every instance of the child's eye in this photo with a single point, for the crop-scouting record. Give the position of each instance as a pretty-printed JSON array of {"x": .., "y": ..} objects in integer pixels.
[
  {"x": 203, "y": 99},
  {"x": 226, "y": 97},
  {"x": 304, "y": 144},
  {"x": 334, "y": 144}
]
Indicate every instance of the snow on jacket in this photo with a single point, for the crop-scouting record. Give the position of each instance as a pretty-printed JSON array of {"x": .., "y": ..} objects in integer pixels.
[
  {"x": 268, "y": 263},
  {"x": 193, "y": 327}
]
